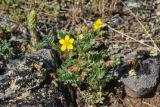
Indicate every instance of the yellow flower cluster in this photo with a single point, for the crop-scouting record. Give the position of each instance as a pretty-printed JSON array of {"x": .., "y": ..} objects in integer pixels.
[
  {"x": 97, "y": 25},
  {"x": 67, "y": 43}
]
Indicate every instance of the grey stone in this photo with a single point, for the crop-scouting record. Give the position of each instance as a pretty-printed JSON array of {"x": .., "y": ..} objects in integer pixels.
[
  {"x": 139, "y": 53},
  {"x": 47, "y": 56},
  {"x": 145, "y": 80},
  {"x": 130, "y": 92},
  {"x": 21, "y": 75},
  {"x": 125, "y": 65},
  {"x": 120, "y": 70},
  {"x": 132, "y": 4},
  {"x": 2, "y": 96},
  {"x": 158, "y": 87}
]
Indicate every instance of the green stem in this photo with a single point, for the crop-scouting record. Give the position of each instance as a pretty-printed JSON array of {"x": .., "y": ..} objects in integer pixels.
[{"x": 34, "y": 37}]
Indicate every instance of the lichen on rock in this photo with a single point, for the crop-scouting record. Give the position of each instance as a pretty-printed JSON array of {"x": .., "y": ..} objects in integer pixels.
[{"x": 31, "y": 75}]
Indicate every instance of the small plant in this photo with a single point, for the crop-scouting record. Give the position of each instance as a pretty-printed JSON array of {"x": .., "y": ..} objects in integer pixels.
[
  {"x": 96, "y": 97},
  {"x": 13, "y": 8},
  {"x": 82, "y": 65},
  {"x": 47, "y": 42},
  {"x": 32, "y": 24},
  {"x": 5, "y": 49},
  {"x": 51, "y": 8},
  {"x": 82, "y": 61},
  {"x": 3, "y": 29}
]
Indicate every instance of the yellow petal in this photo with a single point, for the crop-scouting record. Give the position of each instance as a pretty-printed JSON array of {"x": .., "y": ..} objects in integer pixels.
[
  {"x": 67, "y": 38},
  {"x": 61, "y": 41},
  {"x": 71, "y": 40},
  {"x": 95, "y": 27},
  {"x": 98, "y": 22},
  {"x": 70, "y": 46},
  {"x": 63, "y": 48}
]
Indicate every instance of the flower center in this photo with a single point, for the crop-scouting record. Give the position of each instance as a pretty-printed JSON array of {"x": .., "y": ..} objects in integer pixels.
[
  {"x": 98, "y": 24},
  {"x": 66, "y": 43}
]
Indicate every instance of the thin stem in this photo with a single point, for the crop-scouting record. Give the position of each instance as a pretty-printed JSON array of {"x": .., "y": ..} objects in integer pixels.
[
  {"x": 123, "y": 34},
  {"x": 131, "y": 41},
  {"x": 145, "y": 30}
]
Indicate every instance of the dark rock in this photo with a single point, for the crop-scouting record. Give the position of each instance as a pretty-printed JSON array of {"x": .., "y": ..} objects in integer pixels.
[
  {"x": 130, "y": 92},
  {"x": 158, "y": 87},
  {"x": 47, "y": 57},
  {"x": 126, "y": 59},
  {"x": 146, "y": 79},
  {"x": 120, "y": 70},
  {"x": 27, "y": 73},
  {"x": 139, "y": 53},
  {"x": 2, "y": 67},
  {"x": 17, "y": 49},
  {"x": 32, "y": 74},
  {"x": 49, "y": 96}
]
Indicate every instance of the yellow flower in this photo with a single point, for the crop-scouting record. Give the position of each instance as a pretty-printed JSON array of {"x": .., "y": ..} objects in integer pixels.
[
  {"x": 97, "y": 25},
  {"x": 67, "y": 43}
]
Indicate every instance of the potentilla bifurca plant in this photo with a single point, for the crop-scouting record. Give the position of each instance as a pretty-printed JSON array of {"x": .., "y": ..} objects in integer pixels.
[
  {"x": 81, "y": 65},
  {"x": 82, "y": 62}
]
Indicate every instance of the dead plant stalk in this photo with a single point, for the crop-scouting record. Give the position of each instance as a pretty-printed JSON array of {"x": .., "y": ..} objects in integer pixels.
[
  {"x": 123, "y": 34},
  {"x": 145, "y": 30}
]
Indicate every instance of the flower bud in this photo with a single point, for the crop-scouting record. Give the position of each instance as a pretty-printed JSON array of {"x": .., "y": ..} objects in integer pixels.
[{"x": 32, "y": 19}]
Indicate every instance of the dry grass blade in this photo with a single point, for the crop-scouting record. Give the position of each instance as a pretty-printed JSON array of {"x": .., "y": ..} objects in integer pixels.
[
  {"x": 101, "y": 7},
  {"x": 150, "y": 105},
  {"x": 145, "y": 30},
  {"x": 131, "y": 41},
  {"x": 123, "y": 34}
]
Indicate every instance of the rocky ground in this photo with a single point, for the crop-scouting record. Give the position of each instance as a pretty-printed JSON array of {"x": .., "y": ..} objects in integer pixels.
[
  {"x": 28, "y": 82},
  {"x": 29, "y": 79}
]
